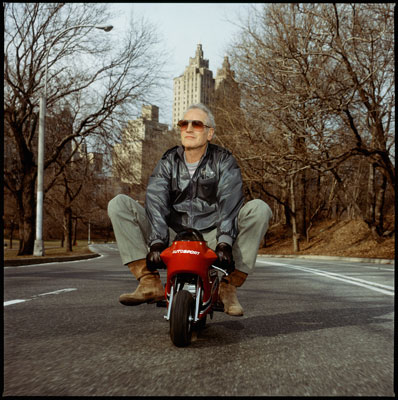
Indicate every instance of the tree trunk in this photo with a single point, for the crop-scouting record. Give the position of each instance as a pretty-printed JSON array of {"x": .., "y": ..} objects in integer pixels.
[
  {"x": 27, "y": 217},
  {"x": 109, "y": 231},
  {"x": 302, "y": 220},
  {"x": 375, "y": 203},
  {"x": 68, "y": 228},
  {"x": 11, "y": 232},
  {"x": 285, "y": 198},
  {"x": 75, "y": 231},
  {"x": 296, "y": 245},
  {"x": 370, "y": 203},
  {"x": 379, "y": 206}
]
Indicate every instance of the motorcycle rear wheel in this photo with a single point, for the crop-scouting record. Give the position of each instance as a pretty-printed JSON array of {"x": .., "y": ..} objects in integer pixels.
[{"x": 182, "y": 314}]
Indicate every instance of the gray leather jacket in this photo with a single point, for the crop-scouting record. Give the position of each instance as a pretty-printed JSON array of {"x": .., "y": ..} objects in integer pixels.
[{"x": 210, "y": 199}]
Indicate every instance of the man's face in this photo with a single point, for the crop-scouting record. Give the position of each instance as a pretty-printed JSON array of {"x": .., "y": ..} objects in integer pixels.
[{"x": 195, "y": 138}]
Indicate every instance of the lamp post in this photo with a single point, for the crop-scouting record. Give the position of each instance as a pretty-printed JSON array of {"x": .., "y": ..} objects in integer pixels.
[{"x": 38, "y": 245}]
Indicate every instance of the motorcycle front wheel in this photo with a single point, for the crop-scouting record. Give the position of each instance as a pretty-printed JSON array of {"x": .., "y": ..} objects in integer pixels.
[{"x": 181, "y": 319}]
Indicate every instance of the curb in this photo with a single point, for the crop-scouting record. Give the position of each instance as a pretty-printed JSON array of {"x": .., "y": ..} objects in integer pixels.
[
  {"x": 332, "y": 258},
  {"x": 30, "y": 261}
]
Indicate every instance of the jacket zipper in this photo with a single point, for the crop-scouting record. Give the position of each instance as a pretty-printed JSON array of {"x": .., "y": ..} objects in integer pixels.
[{"x": 191, "y": 183}]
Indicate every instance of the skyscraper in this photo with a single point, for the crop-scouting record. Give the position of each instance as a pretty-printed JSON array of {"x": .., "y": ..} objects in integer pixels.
[{"x": 195, "y": 85}]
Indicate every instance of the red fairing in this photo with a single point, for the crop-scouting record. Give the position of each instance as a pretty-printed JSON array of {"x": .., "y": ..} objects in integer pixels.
[{"x": 189, "y": 257}]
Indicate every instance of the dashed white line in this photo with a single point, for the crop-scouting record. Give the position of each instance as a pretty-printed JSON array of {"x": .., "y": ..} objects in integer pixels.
[
  {"x": 10, "y": 302},
  {"x": 57, "y": 292}
]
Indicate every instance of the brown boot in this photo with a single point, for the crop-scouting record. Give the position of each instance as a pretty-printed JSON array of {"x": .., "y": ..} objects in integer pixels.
[
  {"x": 150, "y": 288},
  {"x": 227, "y": 292}
]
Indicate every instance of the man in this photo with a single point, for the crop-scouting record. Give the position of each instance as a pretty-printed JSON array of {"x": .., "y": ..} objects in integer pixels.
[{"x": 196, "y": 185}]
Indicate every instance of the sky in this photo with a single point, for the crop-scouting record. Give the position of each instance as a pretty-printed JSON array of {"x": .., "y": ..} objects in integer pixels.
[{"x": 183, "y": 26}]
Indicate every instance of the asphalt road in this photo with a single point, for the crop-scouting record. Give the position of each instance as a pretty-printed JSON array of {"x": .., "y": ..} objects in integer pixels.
[{"x": 311, "y": 328}]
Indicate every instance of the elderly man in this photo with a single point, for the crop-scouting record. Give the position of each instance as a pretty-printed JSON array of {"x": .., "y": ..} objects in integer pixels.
[{"x": 196, "y": 185}]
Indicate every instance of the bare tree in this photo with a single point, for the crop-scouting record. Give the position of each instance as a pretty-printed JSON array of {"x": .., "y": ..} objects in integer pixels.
[
  {"x": 99, "y": 78},
  {"x": 316, "y": 86}
]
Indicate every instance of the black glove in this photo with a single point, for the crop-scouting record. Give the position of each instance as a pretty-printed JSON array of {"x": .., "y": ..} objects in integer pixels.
[
  {"x": 153, "y": 260},
  {"x": 225, "y": 258}
]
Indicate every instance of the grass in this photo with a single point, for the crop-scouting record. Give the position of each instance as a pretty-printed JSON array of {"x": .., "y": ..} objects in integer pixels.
[{"x": 52, "y": 248}]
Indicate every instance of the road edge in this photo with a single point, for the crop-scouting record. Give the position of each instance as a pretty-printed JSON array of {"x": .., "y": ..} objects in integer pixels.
[
  {"x": 30, "y": 261},
  {"x": 331, "y": 258}
]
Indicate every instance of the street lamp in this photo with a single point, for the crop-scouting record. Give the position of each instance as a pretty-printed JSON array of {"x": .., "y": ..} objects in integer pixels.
[{"x": 39, "y": 245}]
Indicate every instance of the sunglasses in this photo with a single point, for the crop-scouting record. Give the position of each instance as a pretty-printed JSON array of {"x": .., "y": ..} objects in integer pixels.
[{"x": 196, "y": 124}]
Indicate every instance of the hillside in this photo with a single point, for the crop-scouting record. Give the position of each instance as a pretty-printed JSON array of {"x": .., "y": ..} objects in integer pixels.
[
  {"x": 328, "y": 238},
  {"x": 332, "y": 238}
]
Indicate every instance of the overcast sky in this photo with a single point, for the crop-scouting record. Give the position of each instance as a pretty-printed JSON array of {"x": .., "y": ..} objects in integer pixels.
[{"x": 183, "y": 26}]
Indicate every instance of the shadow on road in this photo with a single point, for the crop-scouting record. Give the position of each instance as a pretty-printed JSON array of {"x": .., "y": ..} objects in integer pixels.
[{"x": 236, "y": 330}]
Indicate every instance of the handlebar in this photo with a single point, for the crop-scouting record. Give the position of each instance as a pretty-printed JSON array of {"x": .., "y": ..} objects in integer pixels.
[{"x": 221, "y": 270}]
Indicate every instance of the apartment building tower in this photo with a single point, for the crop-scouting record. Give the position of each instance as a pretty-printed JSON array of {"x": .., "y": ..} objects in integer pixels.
[
  {"x": 195, "y": 85},
  {"x": 144, "y": 141}
]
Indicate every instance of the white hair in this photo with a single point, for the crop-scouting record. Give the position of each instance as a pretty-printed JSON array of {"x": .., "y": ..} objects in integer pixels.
[{"x": 205, "y": 109}]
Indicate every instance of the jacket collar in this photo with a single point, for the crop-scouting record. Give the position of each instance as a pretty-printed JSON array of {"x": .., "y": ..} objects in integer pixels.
[{"x": 180, "y": 151}]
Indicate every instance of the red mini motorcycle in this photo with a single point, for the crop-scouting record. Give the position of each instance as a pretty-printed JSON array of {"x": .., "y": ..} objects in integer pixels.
[{"x": 191, "y": 291}]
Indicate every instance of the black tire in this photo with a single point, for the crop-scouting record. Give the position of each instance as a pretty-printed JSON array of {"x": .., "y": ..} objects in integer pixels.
[{"x": 180, "y": 325}]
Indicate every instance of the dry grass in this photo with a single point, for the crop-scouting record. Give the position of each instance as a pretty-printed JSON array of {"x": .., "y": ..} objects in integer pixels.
[
  {"x": 331, "y": 238},
  {"x": 51, "y": 249}
]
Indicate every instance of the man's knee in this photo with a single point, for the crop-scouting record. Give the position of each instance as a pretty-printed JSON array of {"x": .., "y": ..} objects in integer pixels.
[
  {"x": 117, "y": 204},
  {"x": 257, "y": 208}
]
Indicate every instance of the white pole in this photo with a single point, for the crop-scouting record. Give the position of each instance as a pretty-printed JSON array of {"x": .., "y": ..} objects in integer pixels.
[{"x": 39, "y": 246}]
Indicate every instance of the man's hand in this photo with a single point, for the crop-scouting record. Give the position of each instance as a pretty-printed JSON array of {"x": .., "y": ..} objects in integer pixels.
[
  {"x": 225, "y": 258},
  {"x": 153, "y": 260}
]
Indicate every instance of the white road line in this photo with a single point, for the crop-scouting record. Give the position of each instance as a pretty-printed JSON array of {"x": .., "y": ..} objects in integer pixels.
[
  {"x": 389, "y": 290},
  {"x": 377, "y": 267},
  {"x": 10, "y": 302},
  {"x": 57, "y": 292},
  {"x": 368, "y": 267}
]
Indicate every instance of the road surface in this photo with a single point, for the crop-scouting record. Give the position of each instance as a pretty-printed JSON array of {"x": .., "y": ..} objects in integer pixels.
[{"x": 310, "y": 328}]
